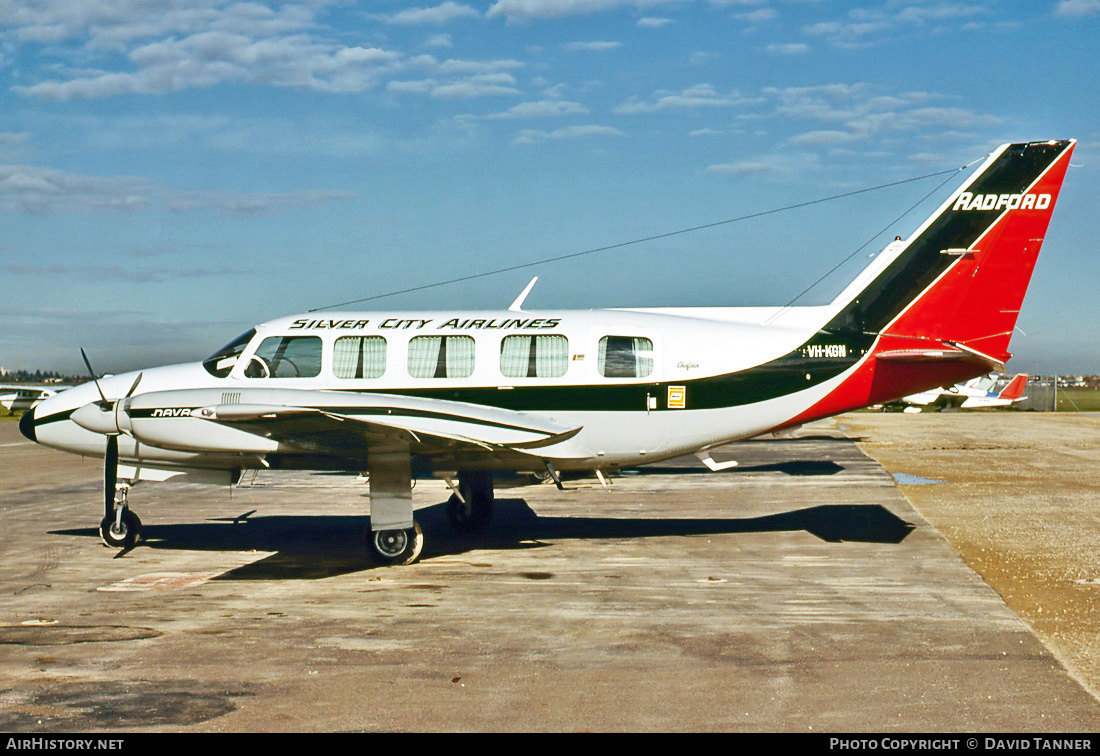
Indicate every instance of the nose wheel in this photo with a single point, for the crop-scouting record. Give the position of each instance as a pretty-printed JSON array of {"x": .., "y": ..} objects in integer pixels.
[{"x": 121, "y": 530}]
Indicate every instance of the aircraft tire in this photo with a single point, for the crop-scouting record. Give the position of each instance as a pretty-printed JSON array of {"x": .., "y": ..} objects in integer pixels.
[
  {"x": 123, "y": 536},
  {"x": 386, "y": 547},
  {"x": 472, "y": 517}
]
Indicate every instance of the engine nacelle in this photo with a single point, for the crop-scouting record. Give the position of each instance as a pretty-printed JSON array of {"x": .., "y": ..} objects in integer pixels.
[{"x": 169, "y": 420}]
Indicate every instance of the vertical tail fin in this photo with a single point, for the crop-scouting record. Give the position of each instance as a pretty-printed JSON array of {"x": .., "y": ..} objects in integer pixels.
[
  {"x": 1015, "y": 388},
  {"x": 961, "y": 278},
  {"x": 941, "y": 306}
]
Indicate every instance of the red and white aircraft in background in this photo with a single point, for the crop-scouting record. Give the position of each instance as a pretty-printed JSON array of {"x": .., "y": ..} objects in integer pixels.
[{"x": 974, "y": 394}]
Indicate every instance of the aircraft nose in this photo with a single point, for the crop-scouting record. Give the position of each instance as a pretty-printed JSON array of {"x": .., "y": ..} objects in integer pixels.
[{"x": 26, "y": 425}]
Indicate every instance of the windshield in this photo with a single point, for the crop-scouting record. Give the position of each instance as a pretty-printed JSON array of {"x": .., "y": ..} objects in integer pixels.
[{"x": 221, "y": 363}]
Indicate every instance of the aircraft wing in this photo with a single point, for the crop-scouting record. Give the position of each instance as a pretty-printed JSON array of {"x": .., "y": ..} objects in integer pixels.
[
  {"x": 923, "y": 398},
  {"x": 340, "y": 422}
]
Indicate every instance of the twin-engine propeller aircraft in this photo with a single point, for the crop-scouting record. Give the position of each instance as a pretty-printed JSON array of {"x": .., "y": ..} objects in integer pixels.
[
  {"x": 974, "y": 394},
  {"x": 463, "y": 394}
]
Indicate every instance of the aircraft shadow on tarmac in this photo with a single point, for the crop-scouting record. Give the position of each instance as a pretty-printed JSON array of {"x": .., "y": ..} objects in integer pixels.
[
  {"x": 311, "y": 547},
  {"x": 797, "y": 467}
]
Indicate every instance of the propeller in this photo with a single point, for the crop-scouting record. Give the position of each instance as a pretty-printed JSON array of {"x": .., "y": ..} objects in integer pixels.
[
  {"x": 95, "y": 380},
  {"x": 100, "y": 417}
]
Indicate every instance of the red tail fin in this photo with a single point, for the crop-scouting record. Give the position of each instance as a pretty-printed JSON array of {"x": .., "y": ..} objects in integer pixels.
[
  {"x": 942, "y": 306},
  {"x": 1015, "y": 388},
  {"x": 976, "y": 301}
]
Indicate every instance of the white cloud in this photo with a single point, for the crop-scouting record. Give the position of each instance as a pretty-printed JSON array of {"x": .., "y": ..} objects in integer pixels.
[
  {"x": 249, "y": 203},
  {"x": 790, "y": 48},
  {"x": 213, "y": 57},
  {"x": 591, "y": 46},
  {"x": 758, "y": 16},
  {"x": 11, "y": 144},
  {"x": 440, "y": 14},
  {"x": 649, "y": 22},
  {"x": 419, "y": 86},
  {"x": 823, "y": 137},
  {"x": 841, "y": 113},
  {"x": 1077, "y": 8},
  {"x": 533, "y": 10},
  {"x": 692, "y": 98},
  {"x": 439, "y": 40},
  {"x": 38, "y": 190},
  {"x": 536, "y": 10},
  {"x": 541, "y": 109},
  {"x": 929, "y": 157},
  {"x": 740, "y": 169},
  {"x": 455, "y": 79},
  {"x": 482, "y": 85},
  {"x": 867, "y": 26},
  {"x": 115, "y": 24},
  {"x": 453, "y": 66},
  {"x": 847, "y": 34},
  {"x": 531, "y": 136}
]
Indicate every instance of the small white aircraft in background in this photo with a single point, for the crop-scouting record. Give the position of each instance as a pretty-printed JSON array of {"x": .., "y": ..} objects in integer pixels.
[
  {"x": 974, "y": 394},
  {"x": 463, "y": 394},
  {"x": 20, "y": 398}
]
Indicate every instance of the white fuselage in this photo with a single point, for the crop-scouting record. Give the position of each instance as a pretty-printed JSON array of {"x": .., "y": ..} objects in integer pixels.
[{"x": 656, "y": 422}]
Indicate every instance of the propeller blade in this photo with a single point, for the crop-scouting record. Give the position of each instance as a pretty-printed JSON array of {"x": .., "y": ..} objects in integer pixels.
[
  {"x": 110, "y": 475},
  {"x": 94, "y": 379},
  {"x": 134, "y": 387}
]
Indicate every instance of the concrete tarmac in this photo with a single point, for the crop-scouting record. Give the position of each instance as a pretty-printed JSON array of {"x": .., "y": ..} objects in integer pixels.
[{"x": 799, "y": 591}]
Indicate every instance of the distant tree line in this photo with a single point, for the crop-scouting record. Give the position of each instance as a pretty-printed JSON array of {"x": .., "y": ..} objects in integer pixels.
[{"x": 40, "y": 376}]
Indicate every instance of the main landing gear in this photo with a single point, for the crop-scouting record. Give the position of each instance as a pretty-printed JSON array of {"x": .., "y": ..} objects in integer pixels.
[
  {"x": 470, "y": 508},
  {"x": 400, "y": 546},
  {"x": 394, "y": 537}
]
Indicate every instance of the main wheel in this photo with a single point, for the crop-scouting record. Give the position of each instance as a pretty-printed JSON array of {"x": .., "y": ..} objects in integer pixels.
[
  {"x": 473, "y": 516},
  {"x": 120, "y": 533},
  {"x": 395, "y": 546},
  {"x": 471, "y": 509}
]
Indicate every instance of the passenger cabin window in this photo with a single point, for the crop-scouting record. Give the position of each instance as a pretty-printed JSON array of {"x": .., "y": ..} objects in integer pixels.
[
  {"x": 534, "y": 356},
  {"x": 221, "y": 363},
  {"x": 359, "y": 357},
  {"x": 441, "y": 357},
  {"x": 625, "y": 357},
  {"x": 286, "y": 357}
]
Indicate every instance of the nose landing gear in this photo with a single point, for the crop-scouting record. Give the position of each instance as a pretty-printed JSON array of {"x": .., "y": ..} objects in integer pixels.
[{"x": 120, "y": 528}]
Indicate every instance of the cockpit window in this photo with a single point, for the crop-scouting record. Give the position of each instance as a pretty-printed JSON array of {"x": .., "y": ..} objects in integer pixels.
[
  {"x": 221, "y": 363},
  {"x": 286, "y": 357}
]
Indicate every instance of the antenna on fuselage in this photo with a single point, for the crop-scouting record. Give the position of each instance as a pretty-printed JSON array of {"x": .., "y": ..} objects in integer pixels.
[{"x": 517, "y": 306}]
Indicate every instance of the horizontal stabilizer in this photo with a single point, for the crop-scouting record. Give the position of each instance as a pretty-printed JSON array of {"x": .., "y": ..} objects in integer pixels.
[{"x": 951, "y": 352}]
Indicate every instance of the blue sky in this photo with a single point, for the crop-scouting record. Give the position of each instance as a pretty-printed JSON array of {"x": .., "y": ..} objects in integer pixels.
[{"x": 174, "y": 171}]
